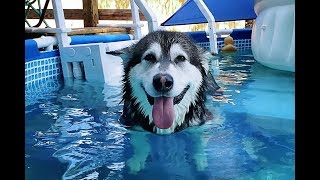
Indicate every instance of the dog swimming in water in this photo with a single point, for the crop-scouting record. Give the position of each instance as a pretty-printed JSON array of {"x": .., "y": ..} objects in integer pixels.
[{"x": 165, "y": 80}]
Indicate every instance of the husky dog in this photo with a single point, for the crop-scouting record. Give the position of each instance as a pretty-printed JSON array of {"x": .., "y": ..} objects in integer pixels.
[{"x": 165, "y": 79}]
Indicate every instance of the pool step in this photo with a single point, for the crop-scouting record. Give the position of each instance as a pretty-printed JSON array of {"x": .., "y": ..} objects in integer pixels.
[{"x": 90, "y": 61}]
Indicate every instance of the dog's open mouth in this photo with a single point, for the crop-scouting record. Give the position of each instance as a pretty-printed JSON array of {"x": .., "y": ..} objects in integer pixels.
[
  {"x": 176, "y": 99},
  {"x": 162, "y": 110}
]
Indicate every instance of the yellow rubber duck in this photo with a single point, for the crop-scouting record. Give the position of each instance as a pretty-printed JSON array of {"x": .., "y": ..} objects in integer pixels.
[{"x": 228, "y": 45}]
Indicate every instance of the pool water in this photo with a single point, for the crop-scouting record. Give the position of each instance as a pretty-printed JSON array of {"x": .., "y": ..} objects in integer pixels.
[{"x": 72, "y": 131}]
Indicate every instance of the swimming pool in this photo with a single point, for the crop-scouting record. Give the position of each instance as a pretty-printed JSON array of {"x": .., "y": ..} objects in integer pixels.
[{"x": 72, "y": 131}]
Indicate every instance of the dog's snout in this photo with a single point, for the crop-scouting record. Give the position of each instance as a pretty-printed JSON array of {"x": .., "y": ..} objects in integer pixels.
[{"x": 162, "y": 82}]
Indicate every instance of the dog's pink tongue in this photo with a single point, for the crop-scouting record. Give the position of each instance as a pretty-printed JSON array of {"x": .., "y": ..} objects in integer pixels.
[{"x": 163, "y": 112}]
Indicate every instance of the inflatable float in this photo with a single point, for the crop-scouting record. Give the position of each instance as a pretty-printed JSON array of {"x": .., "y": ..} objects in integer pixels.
[{"x": 273, "y": 34}]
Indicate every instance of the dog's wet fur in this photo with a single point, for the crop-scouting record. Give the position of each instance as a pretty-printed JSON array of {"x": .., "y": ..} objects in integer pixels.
[{"x": 166, "y": 75}]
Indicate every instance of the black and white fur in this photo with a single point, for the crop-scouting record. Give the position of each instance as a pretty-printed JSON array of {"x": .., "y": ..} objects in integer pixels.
[{"x": 173, "y": 55}]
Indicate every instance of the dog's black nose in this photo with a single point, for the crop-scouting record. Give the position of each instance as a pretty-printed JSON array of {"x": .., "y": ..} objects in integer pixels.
[{"x": 162, "y": 82}]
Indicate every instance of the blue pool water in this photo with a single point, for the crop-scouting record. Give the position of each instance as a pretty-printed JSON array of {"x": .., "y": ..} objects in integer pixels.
[{"x": 72, "y": 131}]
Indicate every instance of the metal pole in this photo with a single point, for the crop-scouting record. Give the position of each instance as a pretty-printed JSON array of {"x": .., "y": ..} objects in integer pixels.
[
  {"x": 60, "y": 23},
  {"x": 148, "y": 13},
  {"x": 136, "y": 20},
  {"x": 211, "y": 25}
]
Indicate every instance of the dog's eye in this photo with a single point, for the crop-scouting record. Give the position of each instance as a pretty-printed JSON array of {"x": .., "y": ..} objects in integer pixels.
[
  {"x": 180, "y": 58},
  {"x": 150, "y": 57}
]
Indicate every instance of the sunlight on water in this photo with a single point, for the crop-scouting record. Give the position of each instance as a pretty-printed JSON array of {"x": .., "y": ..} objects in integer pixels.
[{"x": 72, "y": 128}]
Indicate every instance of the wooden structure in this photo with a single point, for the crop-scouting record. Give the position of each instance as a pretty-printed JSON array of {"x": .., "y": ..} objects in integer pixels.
[{"x": 91, "y": 16}]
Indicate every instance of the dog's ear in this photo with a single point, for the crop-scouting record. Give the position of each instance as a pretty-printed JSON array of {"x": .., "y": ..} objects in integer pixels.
[
  {"x": 124, "y": 53},
  {"x": 205, "y": 57}
]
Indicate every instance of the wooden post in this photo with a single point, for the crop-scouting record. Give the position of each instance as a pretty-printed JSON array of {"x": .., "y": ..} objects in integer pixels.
[{"x": 90, "y": 13}]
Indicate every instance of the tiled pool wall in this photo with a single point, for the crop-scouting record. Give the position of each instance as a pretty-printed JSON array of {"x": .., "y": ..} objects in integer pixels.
[
  {"x": 39, "y": 70},
  {"x": 239, "y": 43},
  {"x": 41, "y": 90}
]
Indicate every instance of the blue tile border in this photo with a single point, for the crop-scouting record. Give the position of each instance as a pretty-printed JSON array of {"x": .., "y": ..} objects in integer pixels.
[
  {"x": 40, "y": 70},
  {"x": 239, "y": 43},
  {"x": 40, "y": 90}
]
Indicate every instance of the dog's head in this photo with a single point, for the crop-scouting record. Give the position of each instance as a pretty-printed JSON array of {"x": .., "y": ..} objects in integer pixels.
[{"x": 164, "y": 82}]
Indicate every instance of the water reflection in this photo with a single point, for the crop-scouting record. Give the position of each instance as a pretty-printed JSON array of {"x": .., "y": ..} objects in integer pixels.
[
  {"x": 81, "y": 130},
  {"x": 85, "y": 132},
  {"x": 266, "y": 95}
]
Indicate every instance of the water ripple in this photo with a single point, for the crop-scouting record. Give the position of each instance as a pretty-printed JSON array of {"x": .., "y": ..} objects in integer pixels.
[{"x": 79, "y": 126}]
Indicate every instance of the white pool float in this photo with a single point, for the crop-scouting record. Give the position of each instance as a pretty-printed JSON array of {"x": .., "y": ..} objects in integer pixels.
[{"x": 273, "y": 34}]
